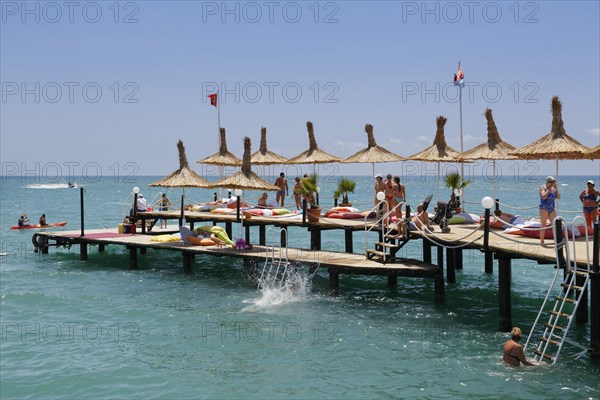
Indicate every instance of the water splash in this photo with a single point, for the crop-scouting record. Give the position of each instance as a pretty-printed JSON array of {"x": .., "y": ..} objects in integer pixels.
[{"x": 273, "y": 293}]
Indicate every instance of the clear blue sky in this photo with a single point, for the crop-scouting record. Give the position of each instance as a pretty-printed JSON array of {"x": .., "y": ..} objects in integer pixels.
[{"x": 339, "y": 64}]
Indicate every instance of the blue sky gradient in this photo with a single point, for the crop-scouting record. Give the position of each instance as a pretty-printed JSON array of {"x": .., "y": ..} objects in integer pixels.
[{"x": 355, "y": 62}]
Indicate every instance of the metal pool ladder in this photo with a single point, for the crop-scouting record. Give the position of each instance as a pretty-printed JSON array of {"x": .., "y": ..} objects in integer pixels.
[
  {"x": 565, "y": 304},
  {"x": 273, "y": 275}
]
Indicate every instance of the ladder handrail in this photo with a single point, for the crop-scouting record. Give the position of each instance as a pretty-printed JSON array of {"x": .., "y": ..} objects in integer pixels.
[
  {"x": 270, "y": 254},
  {"x": 537, "y": 318},
  {"x": 561, "y": 300},
  {"x": 381, "y": 221}
]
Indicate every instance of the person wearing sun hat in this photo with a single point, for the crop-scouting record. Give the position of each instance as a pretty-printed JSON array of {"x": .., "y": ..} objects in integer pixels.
[
  {"x": 589, "y": 198},
  {"x": 548, "y": 196}
]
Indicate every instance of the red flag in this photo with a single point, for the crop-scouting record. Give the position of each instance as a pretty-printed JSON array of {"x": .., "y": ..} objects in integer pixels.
[
  {"x": 213, "y": 99},
  {"x": 459, "y": 78}
]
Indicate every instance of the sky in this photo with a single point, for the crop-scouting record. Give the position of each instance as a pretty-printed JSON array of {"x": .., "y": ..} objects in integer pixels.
[{"x": 107, "y": 87}]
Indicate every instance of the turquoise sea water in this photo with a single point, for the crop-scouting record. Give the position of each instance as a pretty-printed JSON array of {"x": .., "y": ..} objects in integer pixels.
[{"x": 96, "y": 329}]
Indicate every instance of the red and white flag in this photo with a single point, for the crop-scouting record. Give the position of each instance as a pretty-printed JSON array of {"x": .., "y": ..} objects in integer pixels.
[
  {"x": 213, "y": 99},
  {"x": 459, "y": 77}
]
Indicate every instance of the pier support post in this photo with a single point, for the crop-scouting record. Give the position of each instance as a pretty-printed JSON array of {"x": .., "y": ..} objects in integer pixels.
[
  {"x": 581, "y": 314},
  {"x": 100, "y": 247},
  {"x": 83, "y": 252},
  {"x": 187, "y": 262},
  {"x": 488, "y": 256},
  {"x": 283, "y": 237},
  {"x": 426, "y": 251},
  {"x": 262, "y": 235},
  {"x": 133, "y": 257},
  {"x": 450, "y": 265},
  {"x": 247, "y": 233},
  {"x": 392, "y": 281},
  {"x": 348, "y": 240},
  {"x": 595, "y": 314},
  {"x": 504, "y": 301},
  {"x": 228, "y": 229},
  {"x": 595, "y": 295},
  {"x": 315, "y": 239},
  {"x": 143, "y": 250},
  {"x": 334, "y": 283},
  {"x": 458, "y": 258},
  {"x": 439, "y": 275}
]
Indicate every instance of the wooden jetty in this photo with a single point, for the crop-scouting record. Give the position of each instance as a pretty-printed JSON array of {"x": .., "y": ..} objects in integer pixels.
[{"x": 497, "y": 245}]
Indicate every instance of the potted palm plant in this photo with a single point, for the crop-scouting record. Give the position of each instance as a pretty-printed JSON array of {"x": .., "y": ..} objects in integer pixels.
[
  {"x": 308, "y": 188},
  {"x": 455, "y": 183},
  {"x": 345, "y": 186}
]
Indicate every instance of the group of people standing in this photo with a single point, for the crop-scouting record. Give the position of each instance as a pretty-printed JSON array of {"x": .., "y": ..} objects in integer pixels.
[
  {"x": 549, "y": 194},
  {"x": 395, "y": 192}
]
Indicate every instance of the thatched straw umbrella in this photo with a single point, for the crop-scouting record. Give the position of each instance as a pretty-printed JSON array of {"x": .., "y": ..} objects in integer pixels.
[
  {"x": 313, "y": 155},
  {"x": 594, "y": 153},
  {"x": 264, "y": 156},
  {"x": 556, "y": 145},
  {"x": 494, "y": 149},
  {"x": 373, "y": 153},
  {"x": 223, "y": 156},
  {"x": 245, "y": 179},
  {"x": 439, "y": 151},
  {"x": 183, "y": 177}
]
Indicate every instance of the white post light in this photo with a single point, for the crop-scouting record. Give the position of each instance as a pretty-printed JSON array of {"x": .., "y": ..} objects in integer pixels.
[
  {"x": 487, "y": 202},
  {"x": 136, "y": 190},
  {"x": 380, "y": 196}
]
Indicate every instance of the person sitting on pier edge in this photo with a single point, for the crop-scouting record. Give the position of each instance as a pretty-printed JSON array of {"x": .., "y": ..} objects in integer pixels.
[
  {"x": 589, "y": 198},
  {"x": 216, "y": 233},
  {"x": 141, "y": 205},
  {"x": 421, "y": 220},
  {"x": 262, "y": 200},
  {"x": 43, "y": 220},
  {"x": 23, "y": 221},
  {"x": 513, "y": 351}
]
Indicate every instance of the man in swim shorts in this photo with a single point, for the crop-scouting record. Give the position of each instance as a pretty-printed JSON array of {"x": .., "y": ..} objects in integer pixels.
[{"x": 282, "y": 184}]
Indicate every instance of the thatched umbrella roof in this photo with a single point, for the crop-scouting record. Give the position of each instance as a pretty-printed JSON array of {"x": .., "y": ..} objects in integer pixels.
[
  {"x": 313, "y": 155},
  {"x": 594, "y": 153},
  {"x": 184, "y": 176},
  {"x": 494, "y": 149},
  {"x": 223, "y": 157},
  {"x": 245, "y": 179},
  {"x": 373, "y": 153},
  {"x": 556, "y": 145},
  {"x": 264, "y": 156},
  {"x": 439, "y": 151}
]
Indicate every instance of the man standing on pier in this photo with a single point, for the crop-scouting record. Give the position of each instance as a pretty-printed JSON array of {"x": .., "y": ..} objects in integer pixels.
[{"x": 282, "y": 184}]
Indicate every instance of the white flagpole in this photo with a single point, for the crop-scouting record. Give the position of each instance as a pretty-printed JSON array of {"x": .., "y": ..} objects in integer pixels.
[
  {"x": 462, "y": 165},
  {"x": 219, "y": 136}
]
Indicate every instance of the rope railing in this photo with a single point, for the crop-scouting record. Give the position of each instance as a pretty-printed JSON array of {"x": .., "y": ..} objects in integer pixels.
[
  {"x": 517, "y": 208},
  {"x": 428, "y": 235}
]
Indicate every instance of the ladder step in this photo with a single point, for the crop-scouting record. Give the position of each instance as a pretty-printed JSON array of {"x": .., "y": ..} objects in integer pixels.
[
  {"x": 388, "y": 245},
  {"x": 578, "y": 272},
  {"x": 551, "y": 341},
  {"x": 563, "y": 315},
  {"x": 556, "y": 327},
  {"x": 376, "y": 253},
  {"x": 575, "y": 287},
  {"x": 568, "y": 300},
  {"x": 539, "y": 353}
]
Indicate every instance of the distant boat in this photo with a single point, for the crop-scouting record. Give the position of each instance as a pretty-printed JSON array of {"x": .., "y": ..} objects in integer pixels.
[
  {"x": 62, "y": 223},
  {"x": 71, "y": 185}
]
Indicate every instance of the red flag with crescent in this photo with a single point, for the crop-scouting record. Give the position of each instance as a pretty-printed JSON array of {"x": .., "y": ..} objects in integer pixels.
[{"x": 213, "y": 99}]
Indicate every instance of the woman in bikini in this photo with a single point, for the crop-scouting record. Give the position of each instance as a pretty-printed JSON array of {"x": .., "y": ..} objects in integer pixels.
[
  {"x": 548, "y": 196},
  {"x": 389, "y": 192},
  {"x": 298, "y": 193},
  {"x": 513, "y": 351},
  {"x": 399, "y": 196},
  {"x": 589, "y": 198}
]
